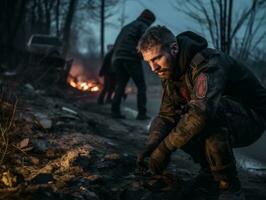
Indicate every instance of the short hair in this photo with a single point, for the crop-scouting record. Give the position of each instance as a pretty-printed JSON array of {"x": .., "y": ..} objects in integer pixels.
[{"x": 156, "y": 35}]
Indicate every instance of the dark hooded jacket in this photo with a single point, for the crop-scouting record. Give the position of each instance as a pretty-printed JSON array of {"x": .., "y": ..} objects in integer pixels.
[
  {"x": 127, "y": 40},
  {"x": 106, "y": 68},
  {"x": 191, "y": 99}
]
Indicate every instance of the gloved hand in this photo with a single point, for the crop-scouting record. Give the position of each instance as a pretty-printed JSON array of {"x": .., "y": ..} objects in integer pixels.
[
  {"x": 159, "y": 159},
  {"x": 141, "y": 168}
]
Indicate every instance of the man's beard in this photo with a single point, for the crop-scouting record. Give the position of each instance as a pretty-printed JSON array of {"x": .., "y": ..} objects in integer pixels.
[
  {"x": 167, "y": 73},
  {"x": 170, "y": 72}
]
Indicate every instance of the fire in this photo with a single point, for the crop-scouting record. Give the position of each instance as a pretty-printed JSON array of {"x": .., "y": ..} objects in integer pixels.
[{"x": 84, "y": 85}]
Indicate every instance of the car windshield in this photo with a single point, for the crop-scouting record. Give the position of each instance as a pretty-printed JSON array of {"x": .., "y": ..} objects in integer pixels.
[{"x": 46, "y": 41}]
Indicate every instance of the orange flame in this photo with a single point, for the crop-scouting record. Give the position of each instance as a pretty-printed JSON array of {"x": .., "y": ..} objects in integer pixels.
[{"x": 88, "y": 85}]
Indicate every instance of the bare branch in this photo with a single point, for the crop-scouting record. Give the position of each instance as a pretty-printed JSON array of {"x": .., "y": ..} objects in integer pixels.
[
  {"x": 242, "y": 19},
  {"x": 214, "y": 14},
  {"x": 209, "y": 21},
  {"x": 261, "y": 38}
]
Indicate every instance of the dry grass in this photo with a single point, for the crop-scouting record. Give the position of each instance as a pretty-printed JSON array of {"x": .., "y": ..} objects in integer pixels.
[{"x": 8, "y": 106}]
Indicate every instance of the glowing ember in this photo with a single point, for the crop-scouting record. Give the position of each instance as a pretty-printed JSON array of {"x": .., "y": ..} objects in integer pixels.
[{"x": 84, "y": 85}]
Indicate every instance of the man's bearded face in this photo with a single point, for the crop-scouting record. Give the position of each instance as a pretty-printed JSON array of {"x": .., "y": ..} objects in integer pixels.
[{"x": 161, "y": 61}]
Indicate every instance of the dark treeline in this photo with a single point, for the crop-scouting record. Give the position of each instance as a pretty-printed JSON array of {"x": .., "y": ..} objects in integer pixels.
[
  {"x": 19, "y": 19},
  {"x": 239, "y": 32}
]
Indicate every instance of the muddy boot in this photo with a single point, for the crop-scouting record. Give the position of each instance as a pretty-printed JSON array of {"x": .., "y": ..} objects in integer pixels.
[
  {"x": 201, "y": 187},
  {"x": 231, "y": 190}
]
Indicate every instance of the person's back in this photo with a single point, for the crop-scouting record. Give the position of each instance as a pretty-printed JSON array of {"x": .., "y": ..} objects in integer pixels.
[
  {"x": 127, "y": 63},
  {"x": 239, "y": 83},
  {"x": 245, "y": 87},
  {"x": 106, "y": 66},
  {"x": 232, "y": 85},
  {"x": 125, "y": 45}
]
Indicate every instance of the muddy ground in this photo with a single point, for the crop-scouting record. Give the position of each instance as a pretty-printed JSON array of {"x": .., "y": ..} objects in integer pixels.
[{"x": 62, "y": 145}]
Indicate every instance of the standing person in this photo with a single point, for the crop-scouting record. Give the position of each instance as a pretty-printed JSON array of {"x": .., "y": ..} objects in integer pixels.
[
  {"x": 211, "y": 103},
  {"x": 109, "y": 78},
  {"x": 127, "y": 63}
]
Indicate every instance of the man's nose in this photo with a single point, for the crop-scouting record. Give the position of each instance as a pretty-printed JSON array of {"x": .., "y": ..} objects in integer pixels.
[{"x": 154, "y": 67}]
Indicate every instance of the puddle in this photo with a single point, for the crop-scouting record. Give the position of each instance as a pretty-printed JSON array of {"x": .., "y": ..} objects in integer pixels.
[{"x": 250, "y": 164}]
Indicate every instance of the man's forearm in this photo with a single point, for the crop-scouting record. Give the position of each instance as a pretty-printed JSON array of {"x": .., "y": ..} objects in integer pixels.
[
  {"x": 190, "y": 125},
  {"x": 160, "y": 128}
]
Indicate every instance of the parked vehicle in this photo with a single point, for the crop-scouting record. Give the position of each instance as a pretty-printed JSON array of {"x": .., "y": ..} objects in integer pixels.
[
  {"x": 45, "y": 61},
  {"x": 45, "y": 44}
]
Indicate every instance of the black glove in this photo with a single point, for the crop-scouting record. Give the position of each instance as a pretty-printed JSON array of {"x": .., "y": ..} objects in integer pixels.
[
  {"x": 141, "y": 168},
  {"x": 159, "y": 159}
]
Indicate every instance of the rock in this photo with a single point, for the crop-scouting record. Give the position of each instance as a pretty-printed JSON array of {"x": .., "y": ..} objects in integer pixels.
[
  {"x": 43, "y": 178},
  {"x": 113, "y": 156},
  {"x": 46, "y": 123},
  {"x": 43, "y": 120},
  {"x": 50, "y": 153},
  {"x": 109, "y": 161},
  {"x": 88, "y": 194},
  {"x": 94, "y": 178},
  {"x": 106, "y": 164},
  {"x": 34, "y": 160},
  {"x": 40, "y": 145},
  {"x": 29, "y": 87},
  {"x": 83, "y": 161},
  {"x": 23, "y": 143}
]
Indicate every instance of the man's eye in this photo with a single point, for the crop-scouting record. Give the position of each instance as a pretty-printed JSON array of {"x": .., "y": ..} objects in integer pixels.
[
  {"x": 154, "y": 59},
  {"x": 158, "y": 58}
]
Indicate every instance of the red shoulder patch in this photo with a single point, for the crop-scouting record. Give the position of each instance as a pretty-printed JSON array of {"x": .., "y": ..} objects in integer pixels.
[{"x": 201, "y": 86}]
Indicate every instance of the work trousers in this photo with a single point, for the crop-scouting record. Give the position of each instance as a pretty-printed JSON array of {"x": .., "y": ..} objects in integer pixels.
[
  {"x": 126, "y": 69},
  {"x": 234, "y": 125}
]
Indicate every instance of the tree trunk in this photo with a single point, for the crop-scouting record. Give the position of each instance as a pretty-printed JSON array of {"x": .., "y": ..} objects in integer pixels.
[
  {"x": 229, "y": 41},
  {"x": 222, "y": 25},
  {"x": 57, "y": 13},
  {"x": 68, "y": 23},
  {"x": 102, "y": 28},
  {"x": 48, "y": 5}
]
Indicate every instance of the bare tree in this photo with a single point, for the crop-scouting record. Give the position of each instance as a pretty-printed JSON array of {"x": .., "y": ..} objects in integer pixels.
[
  {"x": 41, "y": 15},
  {"x": 100, "y": 11},
  {"x": 57, "y": 15},
  {"x": 123, "y": 14},
  {"x": 48, "y": 6},
  {"x": 68, "y": 23},
  {"x": 224, "y": 28},
  {"x": 21, "y": 18},
  {"x": 11, "y": 18},
  {"x": 102, "y": 27}
]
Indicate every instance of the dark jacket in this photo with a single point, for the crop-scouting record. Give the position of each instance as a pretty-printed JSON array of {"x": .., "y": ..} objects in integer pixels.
[
  {"x": 190, "y": 101},
  {"x": 127, "y": 40},
  {"x": 106, "y": 68}
]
